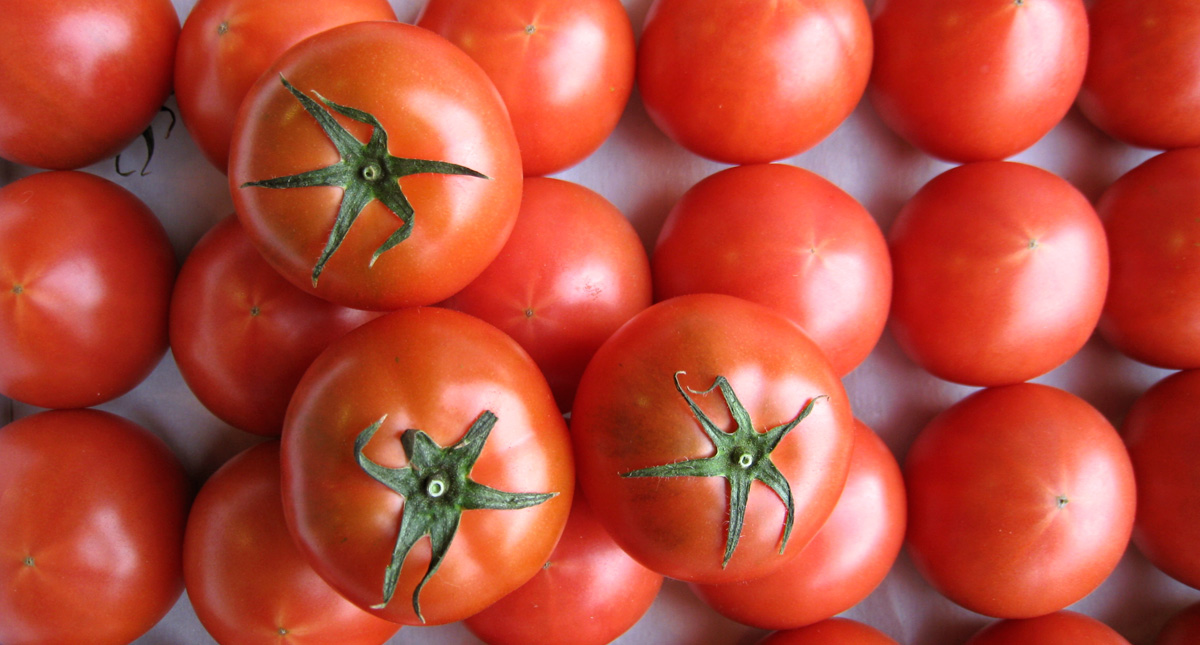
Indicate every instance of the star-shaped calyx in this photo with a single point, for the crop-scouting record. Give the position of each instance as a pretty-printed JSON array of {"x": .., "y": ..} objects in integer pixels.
[
  {"x": 366, "y": 172},
  {"x": 742, "y": 457},
  {"x": 437, "y": 488}
]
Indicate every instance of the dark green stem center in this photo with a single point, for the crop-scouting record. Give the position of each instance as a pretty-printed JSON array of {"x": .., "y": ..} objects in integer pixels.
[
  {"x": 372, "y": 172},
  {"x": 745, "y": 460},
  {"x": 436, "y": 487}
]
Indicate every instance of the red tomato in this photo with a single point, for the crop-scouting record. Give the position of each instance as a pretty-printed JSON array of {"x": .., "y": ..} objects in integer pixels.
[
  {"x": 1060, "y": 628},
  {"x": 245, "y": 578},
  {"x": 687, "y": 406},
  {"x": 835, "y": 631},
  {"x": 225, "y": 45},
  {"x": 437, "y": 183},
  {"x": 85, "y": 283},
  {"x": 80, "y": 79},
  {"x": 1000, "y": 273},
  {"x": 752, "y": 82},
  {"x": 565, "y": 69},
  {"x": 1143, "y": 72},
  {"x": 410, "y": 395},
  {"x": 571, "y": 273},
  {"x": 976, "y": 80},
  {"x": 783, "y": 237},
  {"x": 1021, "y": 500},
  {"x": 844, "y": 562},
  {"x": 1162, "y": 432},
  {"x": 1152, "y": 311},
  {"x": 1182, "y": 629},
  {"x": 588, "y": 593},
  {"x": 91, "y": 529},
  {"x": 241, "y": 335}
]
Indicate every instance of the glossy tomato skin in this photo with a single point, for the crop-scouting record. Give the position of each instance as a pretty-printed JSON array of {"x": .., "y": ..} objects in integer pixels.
[
  {"x": 588, "y": 593},
  {"x": 976, "y": 80},
  {"x": 1143, "y": 70},
  {"x": 835, "y": 631},
  {"x": 433, "y": 370},
  {"x": 90, "y": 531},
  {"x": 1020, "y": 500},
  {"x": 225, "y": 45},
  {"x": 628, "y": 415},
  {"x": 572, "y": 272},
  {"x": 246, "y": 580},
  {"x": 80, "y": 79},
  {"x": 86, "y": 271},
  {"x": 435, "y": 103},
  {"x": 846, "y": 560},
  {"x": 1182, "y": 629},
  {"x": 1000, "y": 273},
  {"x": 1162, "y": 432},
  {"x": 1059, "y": 628},
  {"x": 1150, "y": 217},
  {"x": 744, "y": 82},
  {"x": 565, "y": 69},
  {"x": 241, "y": 335},
  {"x": 786, "y": 238}
]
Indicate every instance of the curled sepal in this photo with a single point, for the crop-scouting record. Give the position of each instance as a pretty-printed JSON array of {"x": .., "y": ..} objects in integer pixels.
[
  {"x": 437, "y": 488},
  {"x": 742, "y": 456}
]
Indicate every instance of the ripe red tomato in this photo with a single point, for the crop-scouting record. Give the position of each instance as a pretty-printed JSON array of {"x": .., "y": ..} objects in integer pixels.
[
  {"x": 1162, "y": 432},
  {"x": 1021, "y": 500},
  {"x": 753, "y": 82},
  {"x": 1182, "y": 629},
  {"x": 1143, "y": 72},
  {"x": 588, "y": 593},
  {"x": 1152, "y": 311},
  {"x": 565, "y": 69},
  {"x": 241, "y": 335},
  {"x": 1000, "y": 273},
  {"x": 85, "y": 283},
  {"x": 976, "y": 80},
  {"x": 91, "y": 529},
  {"x": 437, "y": 181},
  {"x": 844, "y": 562},
  {"x": 571, "y": 273},
  {"x": 786, "y": 238},
  {"x": 245, "y": 578},
  {"x": 835, "y": 631},
  {"x": 225, "y": 45},
  {"x": 382, "y": 445},
  {"x": 1059, "y": 628},
  {"x": 683, "y": 410},
  {"x": 80, "y": 79}
]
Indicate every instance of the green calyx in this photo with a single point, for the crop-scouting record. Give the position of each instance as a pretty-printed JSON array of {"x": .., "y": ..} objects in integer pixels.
[
  {"x": 742, "y": 457},
  {"x": 437, "y": 488},
  {"x": 366, "y": 172}
]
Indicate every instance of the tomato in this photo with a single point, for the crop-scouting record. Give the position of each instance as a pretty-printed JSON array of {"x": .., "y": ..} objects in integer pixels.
[
  {"x": 1143, "y": 72},
  {"x": 751, "y": 82},
  {"x": 427, "y": 202},
  {"x": 387, "y": 440},
  {"x": 241, "y": 335},
  {"x": 683, "y": 410},
  {"x": 976, "y": 80},
  {"x": 1000, "y": 273},
  {"x": 1182, "y": 629},
  {"x": 589, "y": 592},
  {"x": 91, "y": 528},
  {"x": 86, "y": 272},
  {"x": 1021, "y": 500},
  {"x": 571, "y": 273},
  {"x": 565, "y": 69},
  {"x": 835, "y": 631},
  {"x": 245, "y": 578},
  {"x": 80, "y": 79},
  {"x": 1059, "y": 628},
  {"x": 1162, "y": 433},
  {"x": 1150, "y": 215},
  {"x": 225, "y": 45},
  {"x": 844, "y": 562},
  {"x": 786, "y": 238}
]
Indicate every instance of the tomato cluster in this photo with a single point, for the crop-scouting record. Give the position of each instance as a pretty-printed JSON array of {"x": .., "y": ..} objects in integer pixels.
[{"x": 416, "y": 381}]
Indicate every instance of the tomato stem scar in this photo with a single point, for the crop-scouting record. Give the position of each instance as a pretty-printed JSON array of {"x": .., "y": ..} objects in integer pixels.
[
  {"x": 1062, "y": 501},
  {"x": 18, "y": 289},
  {"x": 529, "y": 29},
  {"x": 254, "y": 311},
  {"x": 28, "y": 561}
]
